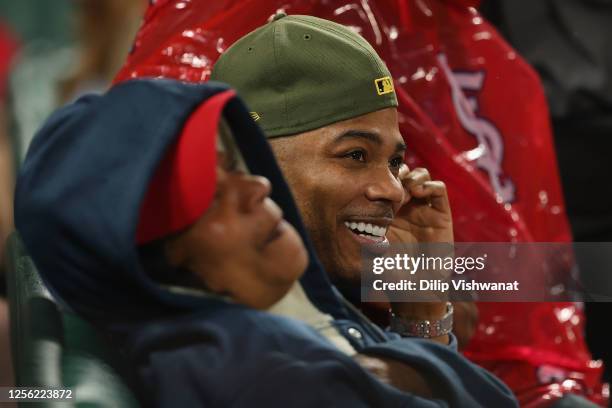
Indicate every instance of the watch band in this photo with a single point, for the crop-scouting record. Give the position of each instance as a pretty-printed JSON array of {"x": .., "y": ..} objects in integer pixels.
[{"x": 423, "y": 328}]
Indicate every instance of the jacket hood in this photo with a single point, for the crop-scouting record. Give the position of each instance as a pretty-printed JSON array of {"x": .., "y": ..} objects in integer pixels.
[{"x": 80, "y": 192}]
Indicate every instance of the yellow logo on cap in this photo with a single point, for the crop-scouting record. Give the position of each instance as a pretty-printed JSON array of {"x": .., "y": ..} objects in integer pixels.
[
  {"x": 384, "y": 85},
  {"x": 255, "y": 116}
]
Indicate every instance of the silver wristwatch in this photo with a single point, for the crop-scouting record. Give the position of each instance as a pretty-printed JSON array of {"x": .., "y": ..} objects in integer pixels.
[{"x": 423, "y": 328}]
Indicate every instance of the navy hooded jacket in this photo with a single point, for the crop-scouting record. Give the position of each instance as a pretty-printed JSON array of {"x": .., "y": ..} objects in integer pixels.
[{"x": 77, "y": 203}]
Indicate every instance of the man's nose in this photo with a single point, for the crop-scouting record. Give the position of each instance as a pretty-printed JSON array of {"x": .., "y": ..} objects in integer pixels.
[
  {"x": 385, "y": 187},
  {"x": 254, "y": 189}
]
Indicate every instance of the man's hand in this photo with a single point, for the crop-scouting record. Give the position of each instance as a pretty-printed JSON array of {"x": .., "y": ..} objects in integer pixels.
[{"x": 425, "y": 215}]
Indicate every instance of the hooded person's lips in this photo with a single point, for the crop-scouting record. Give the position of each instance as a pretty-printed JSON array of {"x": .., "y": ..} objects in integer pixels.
[
  {"x": 277, "y": 231},
  {"x": 274, "y": 226}
]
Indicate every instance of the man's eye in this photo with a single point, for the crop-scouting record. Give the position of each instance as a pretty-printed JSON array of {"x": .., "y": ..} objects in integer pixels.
[
  {"x": 357, "y": 155},
  {"x": 396, "y": 162}
]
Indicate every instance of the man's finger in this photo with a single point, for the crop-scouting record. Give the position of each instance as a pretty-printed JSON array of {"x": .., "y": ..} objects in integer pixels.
[
  {"x": 435, "y": 192},
  {"x": 416, "y": 177},
  {"x": 404, "y": 172}
]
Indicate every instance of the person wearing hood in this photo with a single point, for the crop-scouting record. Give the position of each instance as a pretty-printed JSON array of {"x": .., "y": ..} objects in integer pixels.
[{"x": 139, "y": 225}]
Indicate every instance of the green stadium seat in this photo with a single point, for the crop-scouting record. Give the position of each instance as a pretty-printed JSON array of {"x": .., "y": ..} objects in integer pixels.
[{"x": 52, "y": 347}]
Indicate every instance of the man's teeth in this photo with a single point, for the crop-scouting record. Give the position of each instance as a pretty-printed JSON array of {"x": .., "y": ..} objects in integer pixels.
[{"x": 367, "y": 228}]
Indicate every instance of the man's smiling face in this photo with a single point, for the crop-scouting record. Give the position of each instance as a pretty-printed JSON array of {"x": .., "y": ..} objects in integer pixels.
[{"x": 344, "y": 178}]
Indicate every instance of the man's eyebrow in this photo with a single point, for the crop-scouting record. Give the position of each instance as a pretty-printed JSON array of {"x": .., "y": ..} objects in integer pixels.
[
  {"x": 360, "y": 134},
  {"x": 370, "y": 136},
  {"x": 401, "y": 147}
]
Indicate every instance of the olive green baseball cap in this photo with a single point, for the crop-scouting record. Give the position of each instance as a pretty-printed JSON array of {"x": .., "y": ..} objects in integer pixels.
[{"x": 299, "y": 73}]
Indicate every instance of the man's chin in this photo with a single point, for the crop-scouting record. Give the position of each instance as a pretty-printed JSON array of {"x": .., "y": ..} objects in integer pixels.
[
  {"x": 349, "y": 271},
  {"x": 348, "y": 259}
]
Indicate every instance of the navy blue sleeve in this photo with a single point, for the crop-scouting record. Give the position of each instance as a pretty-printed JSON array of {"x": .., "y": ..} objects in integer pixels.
[{"x": 274, "y": 379}]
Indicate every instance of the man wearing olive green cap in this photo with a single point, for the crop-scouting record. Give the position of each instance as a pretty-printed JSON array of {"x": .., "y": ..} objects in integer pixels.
[{"x": 327, "y": 103}]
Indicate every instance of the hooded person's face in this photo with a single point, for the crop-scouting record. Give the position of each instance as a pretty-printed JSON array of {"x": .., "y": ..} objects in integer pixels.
[
  {"x": 241, "y": 246},
  {"x": 345, "y": 181}
]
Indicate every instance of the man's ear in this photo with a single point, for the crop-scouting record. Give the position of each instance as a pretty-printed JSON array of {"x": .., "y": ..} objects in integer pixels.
[
  {"x": 283, "y": 150},
  {"x": 280, "y": 145}
]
